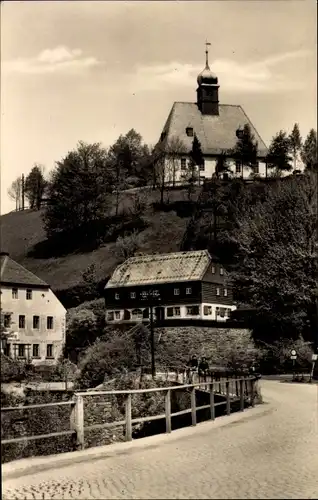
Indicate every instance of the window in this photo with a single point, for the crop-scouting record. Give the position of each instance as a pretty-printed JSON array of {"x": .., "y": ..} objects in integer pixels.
[
  {"x": 117, "y": 296},
  {"x": 183, "y": 163},
  {"x": 7, "y": 320},
  {"x": 189, "y": 131},
  {"x": 36, "y": 322},
  {"x": 49, "y": 351},
  {"x": 176, "y": 291},
  {"x": 192, "y": 310},
  {"x": 221, "y": 271},
  {"x": 169, "y": 312},
  {"x": 207, "y": 310},
  {"x": 29, "y": 294},
  {"x": 177, "y": 311},
  {"x": 137, "y": 314},
  {"x": 256, "y": 168},
  {"x": 14, "y": 293},
  {"x": 202, "y": 167},
  {"x": 22, "y": 321},
  {"x": 21, "y": 351},
  {"x": 225, "y": 292},
  {"x": 217, "y": 311},
  {"x": 49, "y": 322},
  {"x": 218, "y": 291},
  {"x": 110, "y": 316},
  {"x": 35, "y": 351},
  {"x": 132, "y": 295},
  {"x": 213, "y": 269},
  {"x": 188, "y": 291},
  {"x": 238, "y": 166},
  {"x": 222, "y": 312},
  {"x": 117, "y": 314},
  {"x": 229, "y": 312}
]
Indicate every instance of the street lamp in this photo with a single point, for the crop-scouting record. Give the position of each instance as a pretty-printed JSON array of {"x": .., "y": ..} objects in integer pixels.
[{"x": 151, "y": 296}]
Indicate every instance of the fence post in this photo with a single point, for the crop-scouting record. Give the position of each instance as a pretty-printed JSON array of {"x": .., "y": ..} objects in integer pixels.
[
  {"x": 228, "y": 401},
  {"x": 128, "y": 417},
  {"x": 168, "y": 410},
  {"x": 212, "y": 408},
  {"x": 241, "y": 395},
  {"x": 253, "y": 392},
  {"x": 193, "y": 407},
  {"x": 77, "y": 421}
]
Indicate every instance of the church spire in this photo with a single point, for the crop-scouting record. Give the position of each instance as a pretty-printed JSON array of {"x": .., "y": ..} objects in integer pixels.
[
  {"x": 207, "y": 44},
  {"x": 208, "y": 89}
]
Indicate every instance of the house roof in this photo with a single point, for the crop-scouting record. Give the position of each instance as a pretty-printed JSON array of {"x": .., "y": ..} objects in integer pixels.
[
  {"x": 15, "y": 274},
  {"x": 161, "y": 268},
  {"x": 216, "y": 133}
]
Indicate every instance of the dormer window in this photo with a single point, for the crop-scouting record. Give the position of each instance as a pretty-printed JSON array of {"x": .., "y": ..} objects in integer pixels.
[{"x": 189, "y": 131}]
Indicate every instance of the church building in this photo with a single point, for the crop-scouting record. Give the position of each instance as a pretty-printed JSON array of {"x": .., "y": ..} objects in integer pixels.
[{"x": 217, "y": 127}]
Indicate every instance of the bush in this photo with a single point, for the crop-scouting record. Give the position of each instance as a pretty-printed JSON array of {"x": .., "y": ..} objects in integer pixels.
[{"x": 276, "y": 356}]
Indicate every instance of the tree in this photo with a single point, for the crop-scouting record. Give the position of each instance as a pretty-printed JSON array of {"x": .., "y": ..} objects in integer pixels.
[
  {"x": 79, "y": 193},
  {"x": 246, "y": 148},
  {"x": 276, "y": 260},
  {"x": 80, "y": 332},
  {"x": 15, "y": 191},
  {"x": 295, "y": 143},
  {"x": 127, "y": 245},
  {"x": 129, "y": 157},
  {"x": 34, "y": 186},
  {"x": 278, "y": 157},
  {"x": 196, "y": 156},
  {"x": 309, "y": 153},
  {"x": 174, "y": 148}
]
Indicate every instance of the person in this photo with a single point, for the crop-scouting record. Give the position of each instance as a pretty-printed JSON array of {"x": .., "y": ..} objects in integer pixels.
[
  {"x": 192, "y": 368},
  {"x": 203, "y": 368}
]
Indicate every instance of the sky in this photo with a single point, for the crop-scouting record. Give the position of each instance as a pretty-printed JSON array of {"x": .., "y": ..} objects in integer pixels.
[{"x": 86, "y": 70}]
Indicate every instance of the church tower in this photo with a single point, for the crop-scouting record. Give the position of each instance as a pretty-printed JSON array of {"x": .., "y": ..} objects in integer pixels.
[{"x": 208, "y": 89}]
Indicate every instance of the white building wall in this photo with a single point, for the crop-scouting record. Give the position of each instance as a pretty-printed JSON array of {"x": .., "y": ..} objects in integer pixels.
[
  {"x": 179, "y": 175},
  {"x": 43, "y": 304}
]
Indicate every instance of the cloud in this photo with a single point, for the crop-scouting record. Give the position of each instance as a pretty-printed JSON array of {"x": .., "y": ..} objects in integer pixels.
[
  {"x": 260, "y": 76},
  {"x": 61, "y": 59}
]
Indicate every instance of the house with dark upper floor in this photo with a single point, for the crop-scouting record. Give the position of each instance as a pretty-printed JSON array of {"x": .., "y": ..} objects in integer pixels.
[
  {"x": 177, "y": 286},
  {"x": 33, "y": 317}
]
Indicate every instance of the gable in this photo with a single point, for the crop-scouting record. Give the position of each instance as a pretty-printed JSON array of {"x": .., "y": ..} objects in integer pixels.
[{"x": 14, "y": 273}]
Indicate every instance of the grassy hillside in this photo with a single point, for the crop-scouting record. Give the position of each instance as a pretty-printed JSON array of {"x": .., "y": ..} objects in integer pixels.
[{"x": 21, "y": 232}]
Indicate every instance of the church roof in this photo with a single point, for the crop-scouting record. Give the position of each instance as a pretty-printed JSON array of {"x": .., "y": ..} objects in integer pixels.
[
  {"x": 216, "y": 133},
  {"x": 161, "y": 268},
  {"x": 14, "y": 274}
]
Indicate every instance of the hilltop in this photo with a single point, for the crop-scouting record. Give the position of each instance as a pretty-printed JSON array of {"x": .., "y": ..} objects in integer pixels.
[{"x": 22, "y": 232}]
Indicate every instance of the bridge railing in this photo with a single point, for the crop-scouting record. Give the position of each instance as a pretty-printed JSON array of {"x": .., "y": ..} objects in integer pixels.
[{"x": 247, "y": 392}]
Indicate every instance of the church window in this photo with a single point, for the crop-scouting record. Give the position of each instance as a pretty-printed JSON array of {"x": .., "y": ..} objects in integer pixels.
[
  {"x": 189, "y": 131},
  {"x": 183, "y": 163}
]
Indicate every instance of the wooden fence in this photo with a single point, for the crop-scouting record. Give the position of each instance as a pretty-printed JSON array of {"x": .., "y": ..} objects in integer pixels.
[{"x": 246, "y": 391}]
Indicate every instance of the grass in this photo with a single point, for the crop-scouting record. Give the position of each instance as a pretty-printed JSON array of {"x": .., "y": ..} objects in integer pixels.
[{"x": 21, "y": 231}]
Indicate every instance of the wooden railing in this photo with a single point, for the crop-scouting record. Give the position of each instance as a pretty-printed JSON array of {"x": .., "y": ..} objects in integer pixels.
[{"x": 247, "y": 388}]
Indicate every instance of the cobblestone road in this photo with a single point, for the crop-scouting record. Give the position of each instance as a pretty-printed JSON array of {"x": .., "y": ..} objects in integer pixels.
[{"x": 269, "y": 455}]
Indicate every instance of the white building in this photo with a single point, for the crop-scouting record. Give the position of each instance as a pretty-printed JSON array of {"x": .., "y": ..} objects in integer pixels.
[
  {"x": 33, "y": 317},
  {"x": 216, "y": 126}
]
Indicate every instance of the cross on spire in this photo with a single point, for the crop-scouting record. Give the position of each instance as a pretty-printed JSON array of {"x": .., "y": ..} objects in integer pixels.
[{"x": 207, "y": 44}]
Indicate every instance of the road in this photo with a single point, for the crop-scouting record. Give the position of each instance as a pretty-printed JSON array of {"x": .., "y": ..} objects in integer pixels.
[{"x": 271, "y": 452}]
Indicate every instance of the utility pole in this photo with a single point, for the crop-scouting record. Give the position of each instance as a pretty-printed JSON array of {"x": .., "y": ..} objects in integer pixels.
[
  {"x": 316, "y": 268},
  {"x": 152, "y": 339},
  {"x": 22, "y": 191}
]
